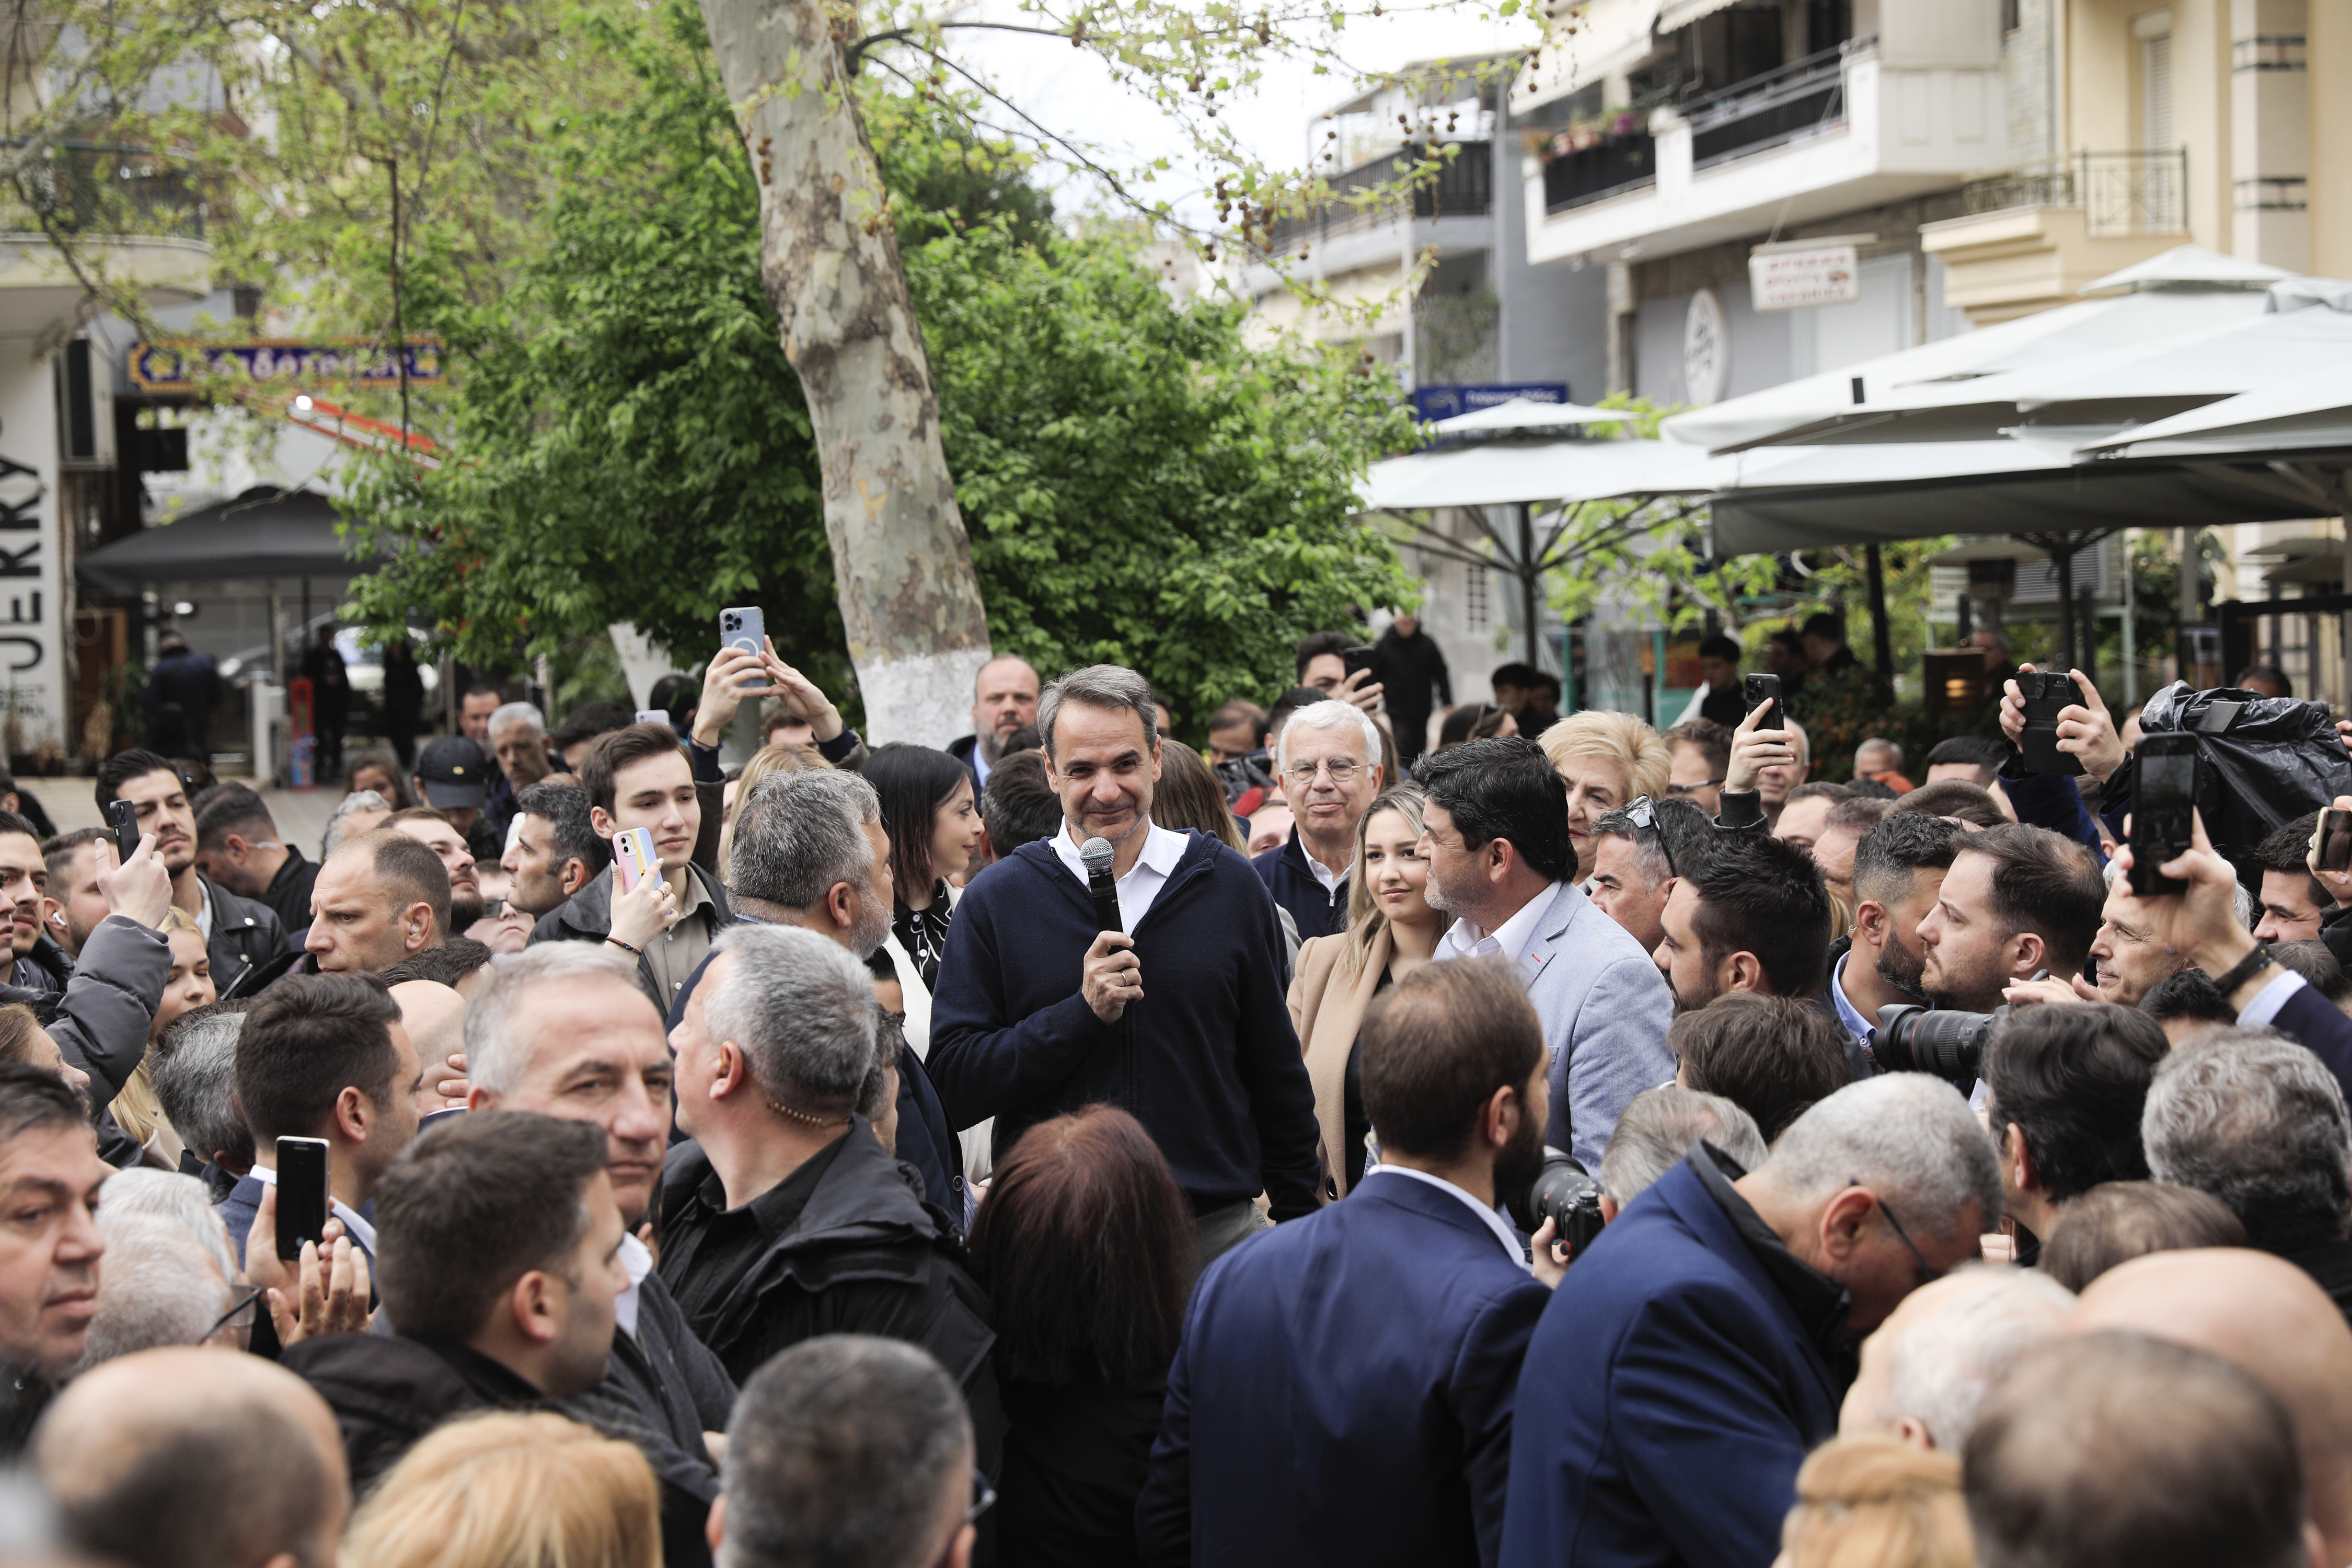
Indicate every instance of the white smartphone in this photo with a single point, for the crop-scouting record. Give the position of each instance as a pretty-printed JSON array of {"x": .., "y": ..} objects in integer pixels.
[{"x": 633, "y": 860}]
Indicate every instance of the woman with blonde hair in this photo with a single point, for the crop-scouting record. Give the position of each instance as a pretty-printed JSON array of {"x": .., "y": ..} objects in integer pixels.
[
  {"x": 1606, "y": 759},
  {"x": 511, "y": 1490},
  {"x": 1877, "y": 1502},
  {"x": 136, "y": 1110},
  {"x": 1392, "y": 931}
]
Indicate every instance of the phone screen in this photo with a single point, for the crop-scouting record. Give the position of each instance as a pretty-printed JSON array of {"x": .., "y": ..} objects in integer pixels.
[
  {"x": 2332, "y": 842},
  {"x": 301, "y": 1193},
  {"x": 2166, "y": 794}
]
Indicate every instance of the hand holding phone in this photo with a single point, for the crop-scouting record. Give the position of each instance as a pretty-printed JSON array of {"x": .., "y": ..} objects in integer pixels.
[
  {"x": 745, "y": 627},
  {"x": 302, "y": 1200},
  {"x": 1758, "y": 743},
  {"x": 122, "y": 819},
  {"x": 2046, "y": 695},
  {"x": 2164, "y": 801},
  {"x": 635, "y": 859},
  {"x": 1756, "y": 691}
]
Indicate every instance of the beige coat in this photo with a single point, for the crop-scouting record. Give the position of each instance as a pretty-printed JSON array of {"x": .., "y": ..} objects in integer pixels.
[{"x": 1326, "y": 1008}]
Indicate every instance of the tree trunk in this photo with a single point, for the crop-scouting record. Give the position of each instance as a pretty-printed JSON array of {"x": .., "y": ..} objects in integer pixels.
[{"x": 829, "y": 260}]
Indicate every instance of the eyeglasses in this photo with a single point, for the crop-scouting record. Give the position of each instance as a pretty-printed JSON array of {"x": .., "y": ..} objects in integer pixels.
[
  {"x": 1692, "y": 789},
  {"x": 1638, "y": 811},
  {"x": 1930, "y": 1274},
  {"x": 1343, "y": 771},
  {"x": 984, "y": 1498},
  {"x": 238, "y": 1317}
]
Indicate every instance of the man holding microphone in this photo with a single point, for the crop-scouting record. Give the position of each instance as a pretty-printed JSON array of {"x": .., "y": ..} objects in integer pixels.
[{"x": 1177, "y": 1018}]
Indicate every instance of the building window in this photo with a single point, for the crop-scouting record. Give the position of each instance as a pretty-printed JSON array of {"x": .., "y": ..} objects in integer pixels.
[
  {"x": 1474, "y": 597},
  {"x": 2154, "y": 32}
]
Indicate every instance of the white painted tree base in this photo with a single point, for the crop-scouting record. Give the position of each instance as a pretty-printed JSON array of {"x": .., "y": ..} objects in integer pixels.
[{"x": 924, "y": 701}]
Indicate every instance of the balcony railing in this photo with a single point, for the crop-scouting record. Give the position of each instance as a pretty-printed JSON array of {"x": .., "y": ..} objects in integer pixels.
[
  {"x": 1802, "y": 98},
  {"x": 1615, "y": 165},
  {"x": 1463, "y": 188},
  {"x": 2120, "y": 193},
  {"x": 95, "y": 188}
]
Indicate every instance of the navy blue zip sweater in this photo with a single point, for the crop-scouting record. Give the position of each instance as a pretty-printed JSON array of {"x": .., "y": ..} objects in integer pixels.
[
  {"x": 1288, "y": 876},
  {"x": 1206, "y": 1060}
]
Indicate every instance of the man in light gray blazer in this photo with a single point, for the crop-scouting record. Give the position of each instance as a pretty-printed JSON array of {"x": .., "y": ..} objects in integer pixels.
[{"x": 1494, "y": 836}]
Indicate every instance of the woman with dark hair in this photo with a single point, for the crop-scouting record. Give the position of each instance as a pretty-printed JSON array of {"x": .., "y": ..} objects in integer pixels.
[
  {"x": 1475, "y": 721},
  {"x": 377, "y": 769},
  {"x": 1084, "y": 1248},
  {"x": 933, "y": 825},
  {"x": 1187, "y": 795}
]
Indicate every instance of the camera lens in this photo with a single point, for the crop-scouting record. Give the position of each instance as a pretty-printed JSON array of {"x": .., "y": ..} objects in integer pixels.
[
  {"x": 1563, "y": 1193},
  {"x": 1948, "y": 1044}
]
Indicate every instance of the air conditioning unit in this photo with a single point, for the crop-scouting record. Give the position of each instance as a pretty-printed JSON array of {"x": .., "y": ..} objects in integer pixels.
[{"x": 84, "y": 406}]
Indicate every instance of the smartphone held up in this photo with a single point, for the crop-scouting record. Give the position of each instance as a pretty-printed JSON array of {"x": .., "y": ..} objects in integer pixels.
[{"x": 745, "y": 627}]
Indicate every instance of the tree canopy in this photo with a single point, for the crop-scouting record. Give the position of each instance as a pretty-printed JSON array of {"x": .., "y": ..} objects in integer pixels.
[{"x": 627, "y": 442}]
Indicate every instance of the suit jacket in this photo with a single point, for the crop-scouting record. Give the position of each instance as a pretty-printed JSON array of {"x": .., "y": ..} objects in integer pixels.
[
  {"x": 1344, "y": 1391},
  {"x": 2323, "y": 1029},
  {"x": 1671, "y": 1392},
  {"x": 1327, "y": 1009},
  {"x": 1605, "y": 1009}
]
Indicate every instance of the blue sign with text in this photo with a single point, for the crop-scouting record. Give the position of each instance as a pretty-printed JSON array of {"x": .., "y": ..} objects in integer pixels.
[{"x": 1445, "y": 401}]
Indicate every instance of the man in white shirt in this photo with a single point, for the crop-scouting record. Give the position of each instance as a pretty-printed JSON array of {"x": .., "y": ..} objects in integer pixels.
[
  {"x": 1329, "y": 758},
  {"x": 1177, "y": 1018},
  {"x": 1495, "y": 833},
  {"x": 563, "y": 1030}
]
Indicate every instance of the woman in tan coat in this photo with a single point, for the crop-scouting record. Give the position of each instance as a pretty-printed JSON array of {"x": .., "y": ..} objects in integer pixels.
[{"x": 1392, "y": 931}]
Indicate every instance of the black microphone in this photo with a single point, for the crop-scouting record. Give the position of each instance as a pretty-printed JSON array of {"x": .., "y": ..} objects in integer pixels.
[{"x": 1095, "y": 854}]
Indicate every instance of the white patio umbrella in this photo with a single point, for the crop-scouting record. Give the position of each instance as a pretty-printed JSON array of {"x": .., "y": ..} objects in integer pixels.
[
  {"x": 2308, "y": 412},
  {"x": 2184, "y": 290},
  {"x": 1525, "y": 416}
]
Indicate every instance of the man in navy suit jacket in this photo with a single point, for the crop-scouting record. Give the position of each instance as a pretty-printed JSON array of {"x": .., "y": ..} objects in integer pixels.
[
  {"x": 1693, "y": 1354},
  {"x": 1344, "y": 1389}
]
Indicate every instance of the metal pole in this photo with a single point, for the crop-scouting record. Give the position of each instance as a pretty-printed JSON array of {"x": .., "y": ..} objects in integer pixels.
[
  {"x": 2066, "y": 601},
  {"x": 2131, "y": 652},
  {"x": 1882, "y": 635},
  {"x": 1528, "y": 580}
]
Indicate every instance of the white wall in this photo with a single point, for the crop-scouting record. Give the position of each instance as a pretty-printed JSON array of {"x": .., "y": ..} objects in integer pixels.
[{"x": 32, "y": 657}]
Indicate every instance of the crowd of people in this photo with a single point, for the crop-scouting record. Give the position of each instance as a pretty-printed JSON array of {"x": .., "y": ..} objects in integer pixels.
[{"x": 1411, "y": 1131}]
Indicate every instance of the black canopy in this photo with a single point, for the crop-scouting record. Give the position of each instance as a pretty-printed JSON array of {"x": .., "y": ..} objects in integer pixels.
[{"x": 265, "y": 533}]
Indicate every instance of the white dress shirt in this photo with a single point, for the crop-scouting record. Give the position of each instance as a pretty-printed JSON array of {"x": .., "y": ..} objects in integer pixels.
[
  {"x": 1163, "y": 849},
  {"x": 361, "y": 1233},
  {"x": 1462, "y": 939},
  {"x": 639, "y": 1262},
  {"x": 1486, "y": 1212}
]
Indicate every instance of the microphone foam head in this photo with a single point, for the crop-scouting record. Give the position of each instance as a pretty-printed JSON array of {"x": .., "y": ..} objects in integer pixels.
[{"x": 1095, "y": 853}]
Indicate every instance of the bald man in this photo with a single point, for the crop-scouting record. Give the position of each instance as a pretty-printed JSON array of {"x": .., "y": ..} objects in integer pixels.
[
  {"x": 435, "y": 1016},
  {"x": 1931, "y": 1363},
  {"x": 195, "y": 1459},
  {"x": 2266, "y": 1317}
]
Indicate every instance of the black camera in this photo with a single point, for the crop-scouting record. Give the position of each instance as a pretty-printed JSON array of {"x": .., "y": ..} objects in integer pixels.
[
  {"x": 1564, "y": 1192},
  {"x": 1923, "y": 1040}
]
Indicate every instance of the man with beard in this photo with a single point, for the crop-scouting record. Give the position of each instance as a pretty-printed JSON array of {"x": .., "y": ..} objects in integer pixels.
[
  {"x": 1034, "y": 1013},
  {"x": 1898, "y": 872},
  {"x": 1749, "y": 914},
  {"x": 433, "y": 830},
  {"x": 2017, "y": 901},
  {"x": 241, "y": 937},
  {"x": 1495, "y": 834},
  {"x": 1003, "y": 700},
  {"x": 1412, "y": 1296},
  {"x": 556, "y": 851}
]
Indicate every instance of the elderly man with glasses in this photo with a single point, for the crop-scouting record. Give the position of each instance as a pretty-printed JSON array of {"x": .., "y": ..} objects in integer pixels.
[{"x": 1329, "y": 760}]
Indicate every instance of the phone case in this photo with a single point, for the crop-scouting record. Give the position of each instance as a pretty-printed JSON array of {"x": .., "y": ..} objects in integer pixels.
[{"x": 633, "y": 859}]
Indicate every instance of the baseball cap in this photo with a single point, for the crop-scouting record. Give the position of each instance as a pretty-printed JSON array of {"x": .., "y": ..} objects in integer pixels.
[{"x": 454, "y": 773}]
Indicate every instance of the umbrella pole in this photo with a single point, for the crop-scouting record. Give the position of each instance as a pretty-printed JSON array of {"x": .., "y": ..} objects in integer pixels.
[
  {"x": 1881, "y": 640},
  {"x": 1528, "y": 576},
  {"x": 2066, "y": 600}
]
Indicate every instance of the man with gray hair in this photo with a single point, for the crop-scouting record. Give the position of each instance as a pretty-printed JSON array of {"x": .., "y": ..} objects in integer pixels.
[
  {"x": 1721, "y": 1303},
  {"x": 192, "y": 1065},
  {"x": 159, "y": 1287},
  {"x": 1328, "y": 757},
  {"x": 1931, "y": 1363},
  {"x": 1655, "y": 1134},
  {"x": 853, "y": 1451},
  {"x": 518, "y": 740},
  {"x": 784, "y": 1219},
  {"x": 1178, "y": 1017},
  {"x": 563, "y": 1030},
  {"x": 2256, "y": 1121}
]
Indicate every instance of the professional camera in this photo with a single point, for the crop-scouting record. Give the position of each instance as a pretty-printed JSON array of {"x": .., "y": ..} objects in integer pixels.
[
  {"x": 1921, "y": 1039},
  {"x": 1562, "y": 1192}
]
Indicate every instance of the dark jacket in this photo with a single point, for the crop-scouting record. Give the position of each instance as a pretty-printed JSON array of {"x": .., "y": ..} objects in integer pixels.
[
  {"x": 46, "y": 970},
  {"x": 2321, "y": 1028},
  {"x": 1206, "y": 1060},
  {"x": 1345, "y": 1391},
  {"x": 864, "y": 1257},
  {"x": 189, "y": 680},
  {"x": 1290, "y": 878},
  {"x": 2052, "y": 801},
  {"x": 288, "y": 894},
  {"x": 587, "y": 916},
  {"x": 961, "y": 749},
  {"x": 102, "y": 1013},
  {"x": 1671, "y": 1391},
  {"x": 1073, "y": 1461},
  {"x": 247, "y": 936},
  {"x": 1406, "y": 668},
  {"x": 388, "y": 1391},
  {"x": 662, "y": 1390}
]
